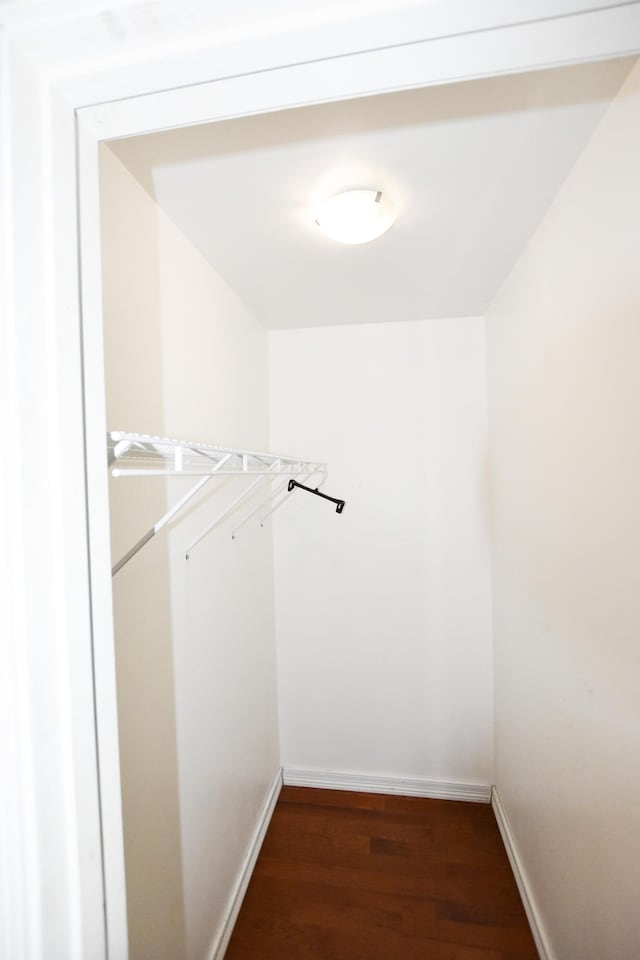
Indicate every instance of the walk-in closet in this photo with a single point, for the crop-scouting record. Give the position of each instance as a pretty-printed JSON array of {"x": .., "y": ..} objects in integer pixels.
[
  {"x": 370, "y": 503},
  {"x": 320, "y": 326}
]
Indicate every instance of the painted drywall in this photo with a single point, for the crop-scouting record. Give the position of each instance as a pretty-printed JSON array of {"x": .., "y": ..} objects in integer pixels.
[
  {"x": 563, "y": 346},
  {"x": 195, "y": 639},
  {"x": 524, "y": 133},
  {"x": 383, "y": 613}
]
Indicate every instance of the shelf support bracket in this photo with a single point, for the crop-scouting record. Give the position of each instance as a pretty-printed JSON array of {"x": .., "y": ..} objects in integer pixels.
[
  {"x": 232, "y": 506},
  {"x": 274, "y": 493},
  {"x": 167, "y": 516},
  {"x": 284, "y": 499}
]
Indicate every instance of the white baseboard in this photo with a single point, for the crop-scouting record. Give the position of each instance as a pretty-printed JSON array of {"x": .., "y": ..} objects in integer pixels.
[
  {"x": 528, "y": 901},
  {"x": 364, "y": 783},
  {"x": 221, "y": 942}
]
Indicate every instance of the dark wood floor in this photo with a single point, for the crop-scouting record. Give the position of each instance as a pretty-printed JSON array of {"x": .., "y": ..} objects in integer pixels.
[{"x": 356, "y": 876}]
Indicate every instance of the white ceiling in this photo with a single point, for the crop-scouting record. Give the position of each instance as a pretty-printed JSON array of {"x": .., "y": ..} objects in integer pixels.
[{"x": 472, "y": 166}]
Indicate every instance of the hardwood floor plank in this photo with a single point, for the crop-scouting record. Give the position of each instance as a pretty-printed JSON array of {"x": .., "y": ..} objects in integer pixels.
[{"x": 350, "y": 876}]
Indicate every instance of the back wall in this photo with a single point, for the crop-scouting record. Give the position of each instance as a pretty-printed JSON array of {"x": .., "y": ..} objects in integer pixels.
[{"x": 383, "y": 614}]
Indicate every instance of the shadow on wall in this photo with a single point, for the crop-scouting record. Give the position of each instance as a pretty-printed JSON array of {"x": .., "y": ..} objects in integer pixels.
[
  {"x": 148, "y": 749},
  {"x": 141, "y": 594}
]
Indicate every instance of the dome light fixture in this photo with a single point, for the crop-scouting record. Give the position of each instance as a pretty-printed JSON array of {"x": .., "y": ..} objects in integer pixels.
[{"x": 356, "y": 216}]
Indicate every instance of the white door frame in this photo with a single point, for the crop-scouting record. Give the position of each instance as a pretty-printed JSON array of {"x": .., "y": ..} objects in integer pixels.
[{"x": 63, "y": 859}]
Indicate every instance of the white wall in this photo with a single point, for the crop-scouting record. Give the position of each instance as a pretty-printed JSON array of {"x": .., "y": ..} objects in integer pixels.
[
  {"x": 563, "y": 351},
  {"x": 383, "y": 612},
  {"x": 195, "y": 640}
]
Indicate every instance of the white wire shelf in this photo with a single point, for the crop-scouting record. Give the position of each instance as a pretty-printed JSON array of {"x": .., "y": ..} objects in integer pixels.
[{"x": 140, "y": 455}]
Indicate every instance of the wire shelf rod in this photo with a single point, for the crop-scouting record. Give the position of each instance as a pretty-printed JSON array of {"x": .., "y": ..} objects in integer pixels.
[{"x": 209, "y": 471}]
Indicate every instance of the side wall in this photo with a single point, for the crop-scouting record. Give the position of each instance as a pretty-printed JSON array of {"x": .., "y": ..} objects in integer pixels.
[
  {"x": 195, "y": 640},
  {"x": 563, "y": 350},
  {"x": 384, "y": 613}
]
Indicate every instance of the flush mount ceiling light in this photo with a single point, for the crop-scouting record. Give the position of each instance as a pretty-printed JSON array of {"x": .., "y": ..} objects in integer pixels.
[{"x": 356, "y": 216}]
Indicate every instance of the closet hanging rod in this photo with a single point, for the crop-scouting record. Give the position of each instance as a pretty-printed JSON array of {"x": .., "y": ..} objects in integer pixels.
[{"x": 317, "y": 493}]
